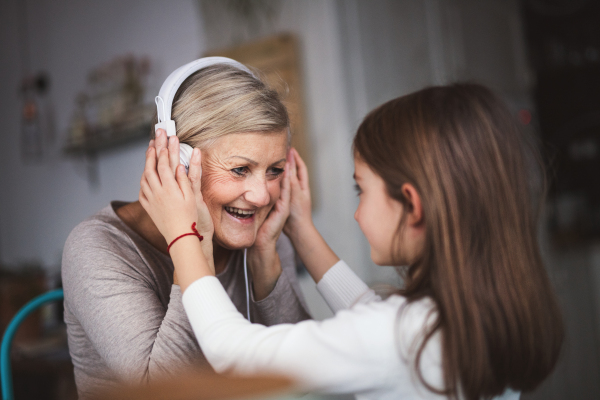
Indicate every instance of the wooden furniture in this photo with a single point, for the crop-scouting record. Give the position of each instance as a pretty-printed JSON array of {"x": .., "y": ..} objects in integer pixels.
[{"x": 203, "y": 385}]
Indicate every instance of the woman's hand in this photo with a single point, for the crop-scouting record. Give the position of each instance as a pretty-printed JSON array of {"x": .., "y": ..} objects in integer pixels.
[
  {"x": 300, "y": 214},
  {"x": 263, "y": 259}
]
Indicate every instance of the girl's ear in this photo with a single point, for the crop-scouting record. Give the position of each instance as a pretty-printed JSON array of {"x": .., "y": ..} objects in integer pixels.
[{"x": 414, "y": 209}]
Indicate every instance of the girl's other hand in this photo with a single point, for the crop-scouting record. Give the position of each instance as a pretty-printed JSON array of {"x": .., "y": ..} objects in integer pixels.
[
  {"x": 263, "y": 258},
  {"x": 269, "y": 231},
  {"x": 300, "y": 215}
]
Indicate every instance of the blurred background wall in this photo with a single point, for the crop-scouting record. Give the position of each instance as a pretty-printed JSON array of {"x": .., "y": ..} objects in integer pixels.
[{"x": 354, "y": 55}]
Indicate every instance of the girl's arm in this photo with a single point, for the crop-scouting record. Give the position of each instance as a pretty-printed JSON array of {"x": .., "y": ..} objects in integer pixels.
[
  {"x": 338, "y": 284},
  {"x": 310, "y": 245},
  {"x": 350, "y": 353}
]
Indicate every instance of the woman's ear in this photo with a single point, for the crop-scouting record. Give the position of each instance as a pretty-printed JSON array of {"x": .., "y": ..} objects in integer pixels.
[{"x": 413, "y": 209}]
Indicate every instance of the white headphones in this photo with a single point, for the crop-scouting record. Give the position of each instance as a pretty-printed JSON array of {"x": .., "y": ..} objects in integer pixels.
[{"x": 164, "y": 100}]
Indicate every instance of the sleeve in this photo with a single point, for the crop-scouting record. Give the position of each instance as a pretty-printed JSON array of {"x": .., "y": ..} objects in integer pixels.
[
  {"x": 342, "y": 288},
  {"x": 285, "y": 304},
  {"x": 346, "y": 354},
  {"x": 118, "y": 304}
]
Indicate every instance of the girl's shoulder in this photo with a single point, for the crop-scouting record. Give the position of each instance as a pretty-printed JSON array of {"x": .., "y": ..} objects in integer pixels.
[
  {"x": 392, "y": 321},
  {"x": 406, "y": 313},
  {"x": 391, "y": 332}
]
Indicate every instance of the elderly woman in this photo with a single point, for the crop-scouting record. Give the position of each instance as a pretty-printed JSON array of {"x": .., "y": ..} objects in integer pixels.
[{"x": 123, "y": 305}]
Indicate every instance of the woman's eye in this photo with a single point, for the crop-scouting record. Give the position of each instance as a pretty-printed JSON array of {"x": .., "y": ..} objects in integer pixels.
[
  {"x": 276, "y": 171},
  {"x": 240, "y": 171}
]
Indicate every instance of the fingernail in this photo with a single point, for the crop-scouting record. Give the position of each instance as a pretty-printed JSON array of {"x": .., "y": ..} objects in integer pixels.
[
  {"x": 171, "y": 139},
  {"x": 196, "y": 154},
  {"x": 159, "y": 133}
]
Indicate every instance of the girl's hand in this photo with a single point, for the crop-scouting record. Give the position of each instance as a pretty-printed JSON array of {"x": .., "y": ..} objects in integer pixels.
[
  {"x": 270, "y": 230},
  {"x": 300, "y": 214},
  {"x": 204, "y": 223},
  {"x": 263, "y": 259},
  {"x": 308, "y": 242},
  {"x": 169, "y": 200}
]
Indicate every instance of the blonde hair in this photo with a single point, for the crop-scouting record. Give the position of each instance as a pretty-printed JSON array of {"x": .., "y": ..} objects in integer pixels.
[{"x": 221, "y": 100}]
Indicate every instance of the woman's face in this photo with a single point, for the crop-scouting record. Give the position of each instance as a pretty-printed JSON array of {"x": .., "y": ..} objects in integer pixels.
[{"x": 241, "y": 175}]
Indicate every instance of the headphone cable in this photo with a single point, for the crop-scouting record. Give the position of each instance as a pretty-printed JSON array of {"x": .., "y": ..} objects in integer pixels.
[{"x": 247, "y": 286}]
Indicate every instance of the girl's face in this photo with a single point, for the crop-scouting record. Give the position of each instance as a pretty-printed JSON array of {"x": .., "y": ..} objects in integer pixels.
[
  {"x": 378, "y": 215},
  {"x": 241, "y": 175}
]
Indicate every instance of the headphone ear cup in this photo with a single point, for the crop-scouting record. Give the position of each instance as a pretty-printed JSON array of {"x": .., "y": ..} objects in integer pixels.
[{"x": 185, "y": 155}]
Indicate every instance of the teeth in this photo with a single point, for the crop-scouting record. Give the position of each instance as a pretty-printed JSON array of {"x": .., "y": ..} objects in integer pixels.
[{"x": 239, "y": 211}]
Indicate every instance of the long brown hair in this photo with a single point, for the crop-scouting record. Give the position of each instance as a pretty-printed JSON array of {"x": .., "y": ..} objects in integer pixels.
[{"x": 461, "y": 149}]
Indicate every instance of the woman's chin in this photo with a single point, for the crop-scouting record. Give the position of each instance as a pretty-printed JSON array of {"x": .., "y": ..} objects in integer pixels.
[{"x": 233, "y": 241}]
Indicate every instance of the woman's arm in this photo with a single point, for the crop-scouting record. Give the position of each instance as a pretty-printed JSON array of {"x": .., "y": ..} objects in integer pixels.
[{"x": 126, "y": 309}]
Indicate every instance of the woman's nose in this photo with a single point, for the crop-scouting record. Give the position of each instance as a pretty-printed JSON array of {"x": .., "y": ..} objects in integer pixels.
[{"x": 257, "y": 192}]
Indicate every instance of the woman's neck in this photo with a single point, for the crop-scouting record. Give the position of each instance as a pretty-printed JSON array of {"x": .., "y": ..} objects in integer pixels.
[
  {"x": 221, "y": 256},
  {"x": 135, "y": 217}
]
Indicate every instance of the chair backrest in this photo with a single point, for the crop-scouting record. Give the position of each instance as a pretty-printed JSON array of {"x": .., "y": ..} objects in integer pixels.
[{"x": 9, "y": 334}]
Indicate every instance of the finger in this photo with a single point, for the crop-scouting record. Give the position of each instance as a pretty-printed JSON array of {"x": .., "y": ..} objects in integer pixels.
[
  {"x": 302, "y": 171},
  {"x": 184, "y": 182},
  {"x": 160, "y": 141},
  {"x": 285, "y": 186},
  {"x": 143, "y": 200},
  {"x": 164, "y": 170},
  {"x": 173, "y": 153},
  {"x": 151, "y": 144},
  {"x": 150, "y": 169},
  {"x": 145, "y": 187},
  {"x": 195, "y": 172},
  {"x": 293, "y": 170}
]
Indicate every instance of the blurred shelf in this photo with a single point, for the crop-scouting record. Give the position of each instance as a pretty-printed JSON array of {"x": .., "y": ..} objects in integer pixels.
[{"x": 108, "y": 139}]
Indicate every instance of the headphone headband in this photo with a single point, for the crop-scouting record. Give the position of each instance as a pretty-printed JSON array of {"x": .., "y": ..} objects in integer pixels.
[{"x": 164, "y": 100}]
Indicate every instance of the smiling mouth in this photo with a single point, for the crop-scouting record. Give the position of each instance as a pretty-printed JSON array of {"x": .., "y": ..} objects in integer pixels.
[{"x": 239, "y": 213}]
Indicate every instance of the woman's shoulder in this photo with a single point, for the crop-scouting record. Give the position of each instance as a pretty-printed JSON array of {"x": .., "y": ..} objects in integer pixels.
[
  {"x": 100, "y": 228},
  {"x": 101, "y": 239}
]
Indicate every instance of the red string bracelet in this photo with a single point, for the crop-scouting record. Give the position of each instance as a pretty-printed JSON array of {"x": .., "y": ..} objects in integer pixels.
[{"x": 194, "y": 233}]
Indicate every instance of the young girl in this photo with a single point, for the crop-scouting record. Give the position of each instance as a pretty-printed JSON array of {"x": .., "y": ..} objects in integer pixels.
[{"x": 444, "y": 189}]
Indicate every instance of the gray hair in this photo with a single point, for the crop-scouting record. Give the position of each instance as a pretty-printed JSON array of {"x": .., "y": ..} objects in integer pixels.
[{"x": 221, "y": 100}]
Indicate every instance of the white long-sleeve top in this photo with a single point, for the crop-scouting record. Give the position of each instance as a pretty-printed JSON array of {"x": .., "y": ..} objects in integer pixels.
[{"x": 368, "y": 348}]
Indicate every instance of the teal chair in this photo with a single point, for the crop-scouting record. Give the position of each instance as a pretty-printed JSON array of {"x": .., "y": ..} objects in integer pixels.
[{"x": 9, "y": 334}]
